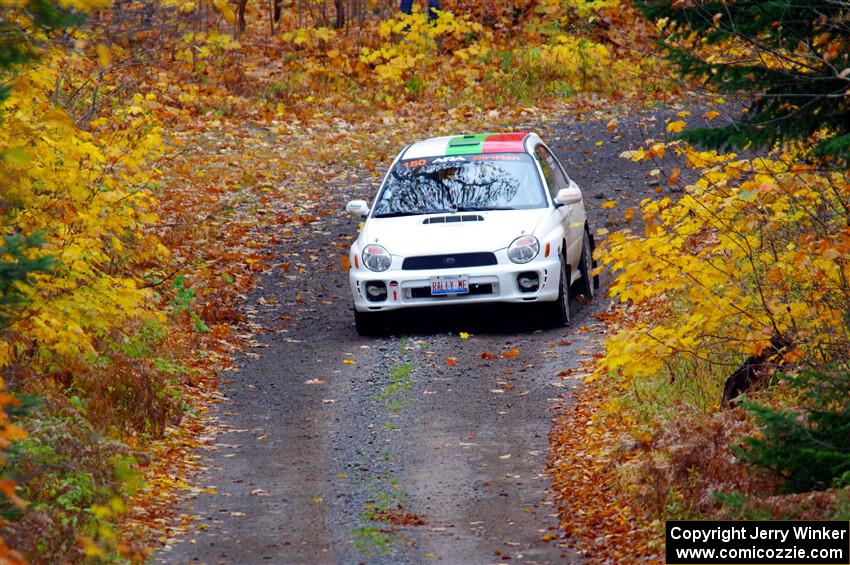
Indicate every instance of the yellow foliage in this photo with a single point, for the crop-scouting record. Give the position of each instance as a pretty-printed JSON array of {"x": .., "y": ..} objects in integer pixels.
[
  {"x": 84, "y": 5},
  {"x": 394, "y": 61},
  {"x": 575, "y": 59},
  {"x": 89, "y": 193},
  {"x": 588, "y": 7},
  {"x": 309, "y": 37},
  {"x": 754, "y": 249}
]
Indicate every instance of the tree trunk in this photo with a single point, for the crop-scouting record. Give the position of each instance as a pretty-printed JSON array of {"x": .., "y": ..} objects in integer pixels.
[
  {"x": 242, "y": 5},
  {"x": 340, "y": 14},
  {"x": 753, "y": 371}
]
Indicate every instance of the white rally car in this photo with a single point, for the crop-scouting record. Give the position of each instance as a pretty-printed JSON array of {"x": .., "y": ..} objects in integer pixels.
[{"x": 472, "y": 219}]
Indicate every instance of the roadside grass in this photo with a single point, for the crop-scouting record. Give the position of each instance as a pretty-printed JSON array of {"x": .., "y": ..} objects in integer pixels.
[
  {"x": 393, "y": 395},
  {"x": 383, "y": 514},
  {"x": 371, "y": 539},
  {"x": 400, "y": 380},
  {"x": 374, "y": 537},
  {"x": 681, "y": 387}
]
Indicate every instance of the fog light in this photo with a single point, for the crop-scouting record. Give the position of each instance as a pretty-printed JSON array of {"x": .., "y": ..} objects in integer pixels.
[
  {"x": 376, "y": 291},
  {"x": 528, "y": 282}
]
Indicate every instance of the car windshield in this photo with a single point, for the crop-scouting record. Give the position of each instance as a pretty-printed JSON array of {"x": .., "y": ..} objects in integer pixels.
[{"x": 499, "y": 181}]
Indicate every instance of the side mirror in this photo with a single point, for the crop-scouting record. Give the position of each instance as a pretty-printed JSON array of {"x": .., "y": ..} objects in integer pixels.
[
  {"x": 568, "y": 196},
  {"x": 357, "y": 208}
]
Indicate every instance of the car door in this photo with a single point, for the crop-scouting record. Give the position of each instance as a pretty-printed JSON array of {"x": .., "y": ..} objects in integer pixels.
[
  {"x": 570, "y": 216},
  {"x": 577, "y": 215}
]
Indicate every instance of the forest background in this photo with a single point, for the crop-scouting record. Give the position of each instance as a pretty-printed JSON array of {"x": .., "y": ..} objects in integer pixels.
[{"x": 137, "y": 184}]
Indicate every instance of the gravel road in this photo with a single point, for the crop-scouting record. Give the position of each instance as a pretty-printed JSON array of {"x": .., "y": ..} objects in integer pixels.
[{"x": 411, "y": 448}]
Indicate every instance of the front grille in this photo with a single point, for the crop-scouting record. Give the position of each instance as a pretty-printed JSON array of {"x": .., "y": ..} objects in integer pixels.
[
  {"x": 449, "y": 261},
  {"x": 474, "y": 289}
]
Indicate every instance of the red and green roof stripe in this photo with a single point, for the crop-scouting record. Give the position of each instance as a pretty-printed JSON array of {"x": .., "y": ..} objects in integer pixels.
[{"x": 473, "y": 144}]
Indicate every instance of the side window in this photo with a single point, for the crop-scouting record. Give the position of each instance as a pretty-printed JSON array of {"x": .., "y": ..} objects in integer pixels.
[
  {"x": 552, "y": 171},
  {"x": 563, "y": 172}
]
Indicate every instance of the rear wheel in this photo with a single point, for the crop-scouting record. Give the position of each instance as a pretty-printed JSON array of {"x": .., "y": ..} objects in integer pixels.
[
  {"x": 558, "y": 313},
  {"x": 586, "y": 284},
  {"x": 369, "y": 323}
]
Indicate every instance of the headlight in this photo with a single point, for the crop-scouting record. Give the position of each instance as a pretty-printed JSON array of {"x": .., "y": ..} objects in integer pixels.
[
  {"x": 376, "y": 258},
  {"x": 523, "y": 249}
]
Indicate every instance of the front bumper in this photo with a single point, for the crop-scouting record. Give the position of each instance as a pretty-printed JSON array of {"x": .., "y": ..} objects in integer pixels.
[{"x": 492, "y": 283}]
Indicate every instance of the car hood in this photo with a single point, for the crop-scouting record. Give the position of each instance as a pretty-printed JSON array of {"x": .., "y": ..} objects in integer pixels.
[{"x": 410, "y": 235}]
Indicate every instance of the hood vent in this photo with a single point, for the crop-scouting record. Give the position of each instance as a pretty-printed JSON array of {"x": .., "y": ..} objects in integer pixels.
[{"x": 453, "y": 219}]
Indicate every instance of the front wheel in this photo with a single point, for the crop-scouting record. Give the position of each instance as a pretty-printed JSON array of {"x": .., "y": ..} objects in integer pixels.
[
  {"x": 369, "y": 323},
  {"x": 558, "y": 313}
]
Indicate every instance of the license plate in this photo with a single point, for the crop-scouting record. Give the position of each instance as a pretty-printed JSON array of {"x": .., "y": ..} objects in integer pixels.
[{"x": 456, "y": 284}]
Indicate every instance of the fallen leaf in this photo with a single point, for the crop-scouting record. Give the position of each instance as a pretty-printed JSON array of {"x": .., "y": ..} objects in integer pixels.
[
  {"x": 673, "y": 178},
  {"x": 104, "y": 55},
  {"x": 676, "y": 127},
  {"x": 224, "y": 9}
]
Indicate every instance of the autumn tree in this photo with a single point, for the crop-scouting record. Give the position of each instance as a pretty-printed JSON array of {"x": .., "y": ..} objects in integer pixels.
[
  {"x": 20, "y": 28},
  {"x": 791, "y": 58},
  {"x": 19, "y": 44}
]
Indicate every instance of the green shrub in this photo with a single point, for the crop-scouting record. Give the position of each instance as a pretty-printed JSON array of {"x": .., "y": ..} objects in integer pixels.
[
  {"x": 810, "y": 448},
  {"x": 66, "y": 469}
]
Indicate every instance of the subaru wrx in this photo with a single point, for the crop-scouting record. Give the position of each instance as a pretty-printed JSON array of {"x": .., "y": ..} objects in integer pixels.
[{"x": 472, "y": 219}]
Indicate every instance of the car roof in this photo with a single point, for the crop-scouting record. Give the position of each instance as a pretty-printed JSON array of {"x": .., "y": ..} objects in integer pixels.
[{"x": 470, "y": 144}]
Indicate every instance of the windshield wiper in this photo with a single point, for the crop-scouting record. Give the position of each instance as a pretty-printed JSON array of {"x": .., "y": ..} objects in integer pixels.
[
  {"x": 396, "y": 214},
  {"x": 449, "y": 211},
  {"x": 417, "y": 213},
  {"x": 483, "y": 208}
]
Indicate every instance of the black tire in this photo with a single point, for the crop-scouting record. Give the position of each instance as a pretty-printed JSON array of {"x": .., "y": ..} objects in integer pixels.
[
  {"x": 586, "y": 285},
  {"x": 558, "y": 313},
  {"x": 369, "y": 323}
]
